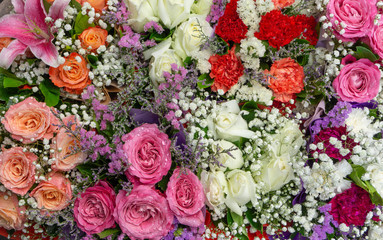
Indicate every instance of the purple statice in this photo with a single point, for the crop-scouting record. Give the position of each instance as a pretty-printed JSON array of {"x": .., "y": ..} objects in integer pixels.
[
  {"x": 153, "y": 25},
  {"x": 120, "y": 17},
  {"x": 117, "y": 157},
  {"x": 130, "y": 39},
  {"x": 335, "y": 118},
  {"x": 320, "y": 231},
  {"x": 191, "y": 233},
  {"x": 170, "y": 235},
  {"x": 95, "y": 144},
  {"x": 216, "y": 11},
  {"x": 169, "y": 90}
]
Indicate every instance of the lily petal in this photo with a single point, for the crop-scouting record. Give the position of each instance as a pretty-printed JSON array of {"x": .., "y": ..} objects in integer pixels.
[
  {"x": 57, "y": 9},
  {"x": 35, "y": 15},
  {"x": 19, "y": 6},
  {"x": 47, "y": 52},
  {"x": 8, "y": 54},
  {"x": 15, "y": 26}
]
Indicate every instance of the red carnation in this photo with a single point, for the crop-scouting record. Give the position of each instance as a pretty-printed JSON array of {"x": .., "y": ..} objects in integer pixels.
[
  {"x": 226, "y": 70},
  {"x": 351, "y": 206},
  {"x": 230, "y": 27},
  {"x": 279, "y": 30}
]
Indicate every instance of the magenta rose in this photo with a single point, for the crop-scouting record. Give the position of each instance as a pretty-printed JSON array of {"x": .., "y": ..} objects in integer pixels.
[
  {"x": 358, "y": 81},
  {"x": 30, "y": 120},
  {"x": 375, "y": 38},
  {"x": 351, "y": 206},
  {"x": 186, "y": 197},
  {"x": 93, "y": 210},
  {"x": 148, "y": 153},
  {"x": 143, "y": 214},
  {"x": 356, "y": 15}
]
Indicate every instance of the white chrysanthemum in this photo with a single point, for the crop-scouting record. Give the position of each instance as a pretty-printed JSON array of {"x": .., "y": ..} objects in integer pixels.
[
  {"x": 358, "y": 122},
  {"x": 251, "y": 49}
]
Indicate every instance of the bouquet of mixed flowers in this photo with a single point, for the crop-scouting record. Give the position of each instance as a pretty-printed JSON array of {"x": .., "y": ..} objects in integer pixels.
[{"x": 191, "y": 119}]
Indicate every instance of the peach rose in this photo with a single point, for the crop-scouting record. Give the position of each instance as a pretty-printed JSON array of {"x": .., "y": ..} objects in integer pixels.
[
  {"x": 72, "y": 75},
  {"x": 93, "y": 37},
  {"x": 279, "y": 4},
  {"x": 10, "y": 212},
  {"x": 17, "y": 172},
  {"x": 98, "y": 5},
  {"x": 30, "y": 120},
  {"x": 53, "y": 194},
  {"x": 65, "y": 159},
  {"x": 4, "y": 42},
  {"x": 286, "y": 79}
]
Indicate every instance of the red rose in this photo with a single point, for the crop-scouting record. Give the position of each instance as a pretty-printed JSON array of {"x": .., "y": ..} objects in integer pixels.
[
  {"x": 225, "y": 70},
  {"x": 230, "y": 27}
]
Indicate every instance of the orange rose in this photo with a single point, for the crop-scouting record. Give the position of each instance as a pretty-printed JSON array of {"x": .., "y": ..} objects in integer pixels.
[
  {"x": 279, "y": 4},
  {"x": 93, "y": 37},
  {"x": 10, "y": 212},
  {"x": 4, "y": 42},
  {"x": 286, "y": 79},
  {"x": 65, "y": 159},
  {"x": 53, "y": 194},
  {"x": 72, "y": 75},
  {"x": 98, "y": 5},
  {"x": 17, "y": 171}
]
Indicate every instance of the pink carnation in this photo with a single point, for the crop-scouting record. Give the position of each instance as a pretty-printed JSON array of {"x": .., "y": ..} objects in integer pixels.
[
  {"x": 186, "y": 197},
  {"x": 358, "y": 81},
  {"x": 93, "y": 210},
  {"x": 148, "y": 152},
  {"x": 351, "y": 206},
  {"x": 143, "y": 214}
]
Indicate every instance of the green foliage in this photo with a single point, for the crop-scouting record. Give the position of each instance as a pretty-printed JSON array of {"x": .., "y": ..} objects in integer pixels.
[
  {"x": 205, "y": 81},
  {"x": 92, "y": 60},
  {"x": 75, "y": 4},
  {"x": 81, "y": 23},
  {"x": 13, "y": 82},
  {"x": 363, "y": 52},
  {"x": 51, "y": 93},
  {"x": 108, "y": 232},
  {"x": 250, "y": 216},
  {"x": 161, "y": 37}
]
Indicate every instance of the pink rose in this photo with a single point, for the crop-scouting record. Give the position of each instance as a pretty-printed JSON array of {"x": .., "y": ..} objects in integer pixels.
[
  {"x": 29, "y": 121},
  {"x": 357, "y": 15},
  {"x": 144, "y": 214},
  {"x": 357, "y": 81},
  {"x": 186, "y": 197},
  {"x": 375, "y": 39},
  {"x": 148, "y": 152},
  {"x": 10, "y": 212},
  {"x": 53, "y": 194},
  {"x": 93, "y": 210},
  {"x": 65, "y": 159},
  {"x": 17, "y": 172}
]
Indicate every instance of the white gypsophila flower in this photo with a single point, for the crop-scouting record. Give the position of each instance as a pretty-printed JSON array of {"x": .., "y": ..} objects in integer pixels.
[
  {"x": 375, "y": 173},
  {"x": 251, "y": 50},
  {"x": 375, "y": 232},
  {"x": 325, "y": 179},
  {"x": 202, "y": 57},
  {"x": 358, "y": 122}
]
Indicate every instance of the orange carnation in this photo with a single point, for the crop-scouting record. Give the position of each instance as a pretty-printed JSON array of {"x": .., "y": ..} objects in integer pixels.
[
  {"x": 279, "y": 4},
  {"x": 93, "y": 37},
  {"x": 72, "y": 75},
  {"x": 98, "y": 5},
  {"x": 286, "y": 79},
  {"x": 4, "y": 42}
]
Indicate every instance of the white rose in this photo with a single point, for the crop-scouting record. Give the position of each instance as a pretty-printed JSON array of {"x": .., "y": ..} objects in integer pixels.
[
  {"x": 276, "y": 172},
  {"x": 173, "y": 12},
  {"x": 227, "y": 123},
  {"x": 141, "y": 12},
  {"x": 232, "y": 162},
  {"x": 240, "y": 190},
  {"x": 162, "y": 59},
  {"x": 189, "y": 35},
  {"x": 376, "y": 175},
  {"x": 215, "y": 187},
  {"x": 202, "y": 7},
  {"x": 289, "y": 140}
]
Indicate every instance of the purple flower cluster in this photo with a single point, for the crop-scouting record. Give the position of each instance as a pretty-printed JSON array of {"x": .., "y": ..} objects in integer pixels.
[
  {"x": 153, "y": 25},
  {"x": 94, "y": 143},
  {"x": 187, "y": 233},
  {"x": 117, "y": 158},
  {"x": 335, "y": 118},
  {"x": 216, "y": 11},
  {"x": 321, "y": 231}
]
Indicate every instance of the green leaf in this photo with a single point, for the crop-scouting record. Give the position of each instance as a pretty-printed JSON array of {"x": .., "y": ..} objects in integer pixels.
[
  {"x": 81, "y": 23},
  {"x": 108, "y": 232},
  {"x": 356, "y": 175},
  {"x": 303, "y": 60},
  {"x": 229, "y": 218},
  {"x": 249, "y": 106},
  {"x": 92, "y": 60},
  {"x": 76, "y": 5},
  {"x": 31, "y": 61},
  {"x": 362, "y": 52},
  {"x": 376, "y": 199},
  {"x": 164, "y": 182},
  {"x": 161, "y": 37},
  {"x": 242, "y": 237},
  {"x": 13, "y": 82},
  {"x": 188, "y": 61},
  {"x": 52, "y": 230},
  {"x": 256, "y": 225},
  {"x": 6, "y": 93},
  {"x": 204, "y": 81},
  {"x": 47, "y": 6},
  {"x": 237, "y": 218},
  {"x": 51, "y": 92}
]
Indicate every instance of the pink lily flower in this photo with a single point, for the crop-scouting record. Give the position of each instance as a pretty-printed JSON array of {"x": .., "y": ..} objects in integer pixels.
[{"x": 29, "y": 30}]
